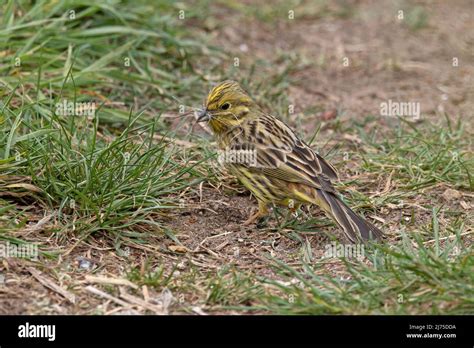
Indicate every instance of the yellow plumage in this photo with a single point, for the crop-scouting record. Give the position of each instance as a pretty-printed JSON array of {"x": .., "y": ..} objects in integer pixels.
[{"x": 280, "y": 168}]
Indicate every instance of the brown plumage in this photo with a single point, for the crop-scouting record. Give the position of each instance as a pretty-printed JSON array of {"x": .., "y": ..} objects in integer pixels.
[{"x": 284, "y": 170}]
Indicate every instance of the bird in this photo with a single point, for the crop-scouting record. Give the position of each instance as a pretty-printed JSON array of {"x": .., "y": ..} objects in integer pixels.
[{"x": 273, "y": 163}]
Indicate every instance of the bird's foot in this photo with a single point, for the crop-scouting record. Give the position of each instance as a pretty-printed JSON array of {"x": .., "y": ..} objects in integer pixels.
[
  {"x": 257, "y": 217},
  {"x": 254, "y": 217}
]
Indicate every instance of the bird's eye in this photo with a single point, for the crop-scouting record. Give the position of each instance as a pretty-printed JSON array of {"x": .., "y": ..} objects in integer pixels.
[{"x": 225, "y": 106}]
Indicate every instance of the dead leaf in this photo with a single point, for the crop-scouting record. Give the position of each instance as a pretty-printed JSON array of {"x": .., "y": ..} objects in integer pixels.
[
  {"x": 353, "y": 138},
  {"x": 28, "y": 187},
  {"x": 113, "y": 281},
  {"x": 392, "y": 206},
  {"x": 198, "y": 310},
  {"x": 451, "y": 195},
  {"x": 178, "y": 248}
]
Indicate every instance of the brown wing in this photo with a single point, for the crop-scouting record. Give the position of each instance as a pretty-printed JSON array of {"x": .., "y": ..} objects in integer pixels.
[{"x": 281, "y": 154}]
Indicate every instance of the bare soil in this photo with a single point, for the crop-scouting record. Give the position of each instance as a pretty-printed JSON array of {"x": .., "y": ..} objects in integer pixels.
[{"x": 387, "y": 60}]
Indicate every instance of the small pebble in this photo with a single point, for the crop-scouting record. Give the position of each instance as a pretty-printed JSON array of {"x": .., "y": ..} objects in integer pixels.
[
  {"x": 84, "y": 264},
  {"x": 181, "y": 265}
]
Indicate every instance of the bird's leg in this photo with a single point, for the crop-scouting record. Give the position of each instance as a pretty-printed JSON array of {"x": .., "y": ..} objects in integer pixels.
[{"x": 261, "y": 212}]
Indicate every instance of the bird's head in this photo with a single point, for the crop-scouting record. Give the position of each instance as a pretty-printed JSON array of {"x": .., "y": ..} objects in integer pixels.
[{"x": 227, "y": 106}]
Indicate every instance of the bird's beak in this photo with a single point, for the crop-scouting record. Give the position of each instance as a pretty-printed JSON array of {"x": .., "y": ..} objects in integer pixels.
[{"x": 203, "y": 115}]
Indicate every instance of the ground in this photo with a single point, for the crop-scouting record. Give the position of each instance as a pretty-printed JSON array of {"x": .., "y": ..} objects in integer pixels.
[{"x": 326, "y": 71}]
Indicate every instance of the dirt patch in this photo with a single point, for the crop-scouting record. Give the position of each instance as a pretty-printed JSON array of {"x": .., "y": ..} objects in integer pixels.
[
  {"x": 387, "y": 59},
  {"x": 353, "y": 64}
]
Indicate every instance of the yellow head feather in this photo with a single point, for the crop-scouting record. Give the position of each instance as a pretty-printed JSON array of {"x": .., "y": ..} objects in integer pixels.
[{"x": 228, "y": 105}]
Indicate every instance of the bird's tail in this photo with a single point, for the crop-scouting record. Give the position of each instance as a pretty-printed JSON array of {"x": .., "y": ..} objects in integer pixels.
[{"x": 355, "y": 228}]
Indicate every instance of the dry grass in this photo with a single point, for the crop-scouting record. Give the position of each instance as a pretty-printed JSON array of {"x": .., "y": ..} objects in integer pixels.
[{"x": 130, "y": 210}]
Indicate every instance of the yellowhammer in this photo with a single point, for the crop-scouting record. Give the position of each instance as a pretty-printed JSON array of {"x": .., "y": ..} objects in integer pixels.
[{"x": 273, "y": 163}]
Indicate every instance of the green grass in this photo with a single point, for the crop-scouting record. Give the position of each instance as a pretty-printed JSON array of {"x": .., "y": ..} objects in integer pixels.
[
  {"x": 425, "y": 157},
  {"x": 417, "y": 18},
  {"x": 429, "y": 270},
  {"x": 119, "y": 183},
  {"x": 406, "y": 278},
  {"x": 99, "y": 51},
  {"x": 112, "y": 174},
  {"x": 117, "y": 175}
]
